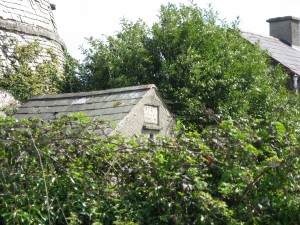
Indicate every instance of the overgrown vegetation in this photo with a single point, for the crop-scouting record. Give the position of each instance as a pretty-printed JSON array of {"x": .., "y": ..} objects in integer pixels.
[
  {"x": 62, "y": 172},
  {"x": 29, "y": 74},
  {"x": 72, "y": 81},
  {"x": 202, "y": 66},
  {"x": 235, "y": 159}
]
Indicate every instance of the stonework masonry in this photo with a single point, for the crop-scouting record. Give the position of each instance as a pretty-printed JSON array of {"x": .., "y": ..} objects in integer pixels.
[
  {"x": 34, "y": 12},
  {"x": 7, "y": 100},
  {"x": 24, "y": 22}
]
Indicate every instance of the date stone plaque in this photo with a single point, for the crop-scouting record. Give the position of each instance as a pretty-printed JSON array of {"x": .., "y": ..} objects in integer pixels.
[{"x": 151, "y": 114}]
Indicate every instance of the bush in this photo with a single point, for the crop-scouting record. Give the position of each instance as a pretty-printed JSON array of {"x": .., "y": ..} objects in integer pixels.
[{"x": 63, "y": 172}]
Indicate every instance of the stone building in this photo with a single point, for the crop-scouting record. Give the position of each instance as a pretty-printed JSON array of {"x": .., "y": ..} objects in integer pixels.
[
  {"x": 130, "y": 110},
  {"x": 283, "y": 45},
  {"x": 26, "y": 21},
  {"x": 23, "y": 22}
]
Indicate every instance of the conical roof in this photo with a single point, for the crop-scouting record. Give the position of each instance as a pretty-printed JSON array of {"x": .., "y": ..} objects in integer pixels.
[{"x": 26, "y": 21}]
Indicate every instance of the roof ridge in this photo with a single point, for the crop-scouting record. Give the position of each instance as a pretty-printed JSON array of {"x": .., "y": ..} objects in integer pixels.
[
  {"x": 94, "y": 93},
  {"x": 261, "y": 35}
]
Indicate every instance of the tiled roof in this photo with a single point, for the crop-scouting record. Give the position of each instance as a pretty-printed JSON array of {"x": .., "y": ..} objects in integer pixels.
[
  {"x": 112, "y": 104},
  {"x": 285, "y": 54}
]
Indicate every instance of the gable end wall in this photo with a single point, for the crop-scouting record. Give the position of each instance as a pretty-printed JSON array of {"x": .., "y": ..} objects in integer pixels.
[{"x": 134, "y": 121}]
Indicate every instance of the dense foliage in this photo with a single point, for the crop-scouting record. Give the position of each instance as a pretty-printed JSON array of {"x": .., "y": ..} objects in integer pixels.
[
  {"x": 240, "y": 167},
  {"x": 62, "y": 172},
  {"x": 29, "y": 74},
  {"x": 202, "y": 66},
  {"x": 71, "y": 81}
]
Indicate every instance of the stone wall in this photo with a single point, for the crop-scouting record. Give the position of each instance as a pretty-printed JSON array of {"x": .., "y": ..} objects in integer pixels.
[
  {"x": 27, "y": 21},
  {"x": 7, "y": 101},
  {"x": 37, "y": 13},
  {"x": 9, "y": 39},
  {"x": 23, "y": 22}
]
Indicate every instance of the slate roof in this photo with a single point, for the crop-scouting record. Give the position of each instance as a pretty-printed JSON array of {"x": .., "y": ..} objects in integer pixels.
[
  {"x": 112, "y": 104},
  {"x": 288, "y": 56}
]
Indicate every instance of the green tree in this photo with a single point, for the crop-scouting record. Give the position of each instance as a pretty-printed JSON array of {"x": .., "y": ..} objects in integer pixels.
[
  {"x": 119, "y": 61},
  {"x": 202, "y": 66},
  {"x": 72, "y": 81}
]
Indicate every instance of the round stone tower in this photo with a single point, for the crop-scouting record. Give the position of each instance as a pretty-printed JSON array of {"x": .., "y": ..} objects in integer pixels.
[
  {"x": 27, "y": 21},
  {"x": 23, "y": 22}
]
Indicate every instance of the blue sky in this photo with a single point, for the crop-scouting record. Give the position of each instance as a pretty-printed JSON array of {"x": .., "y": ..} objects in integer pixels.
[{"x": 79, "y": 19}]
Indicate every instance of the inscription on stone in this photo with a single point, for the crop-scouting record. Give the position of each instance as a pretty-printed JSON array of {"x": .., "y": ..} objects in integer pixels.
[{"x": 151, "y": 114}]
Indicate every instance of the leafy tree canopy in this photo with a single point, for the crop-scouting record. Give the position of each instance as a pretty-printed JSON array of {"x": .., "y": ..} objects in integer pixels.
[{"x": 202, "y": 66}]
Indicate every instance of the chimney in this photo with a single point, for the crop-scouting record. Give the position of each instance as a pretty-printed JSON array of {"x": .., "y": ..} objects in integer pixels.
[
  {"x": 53, "y": 6},
  {"x": 286, "y": 29}
]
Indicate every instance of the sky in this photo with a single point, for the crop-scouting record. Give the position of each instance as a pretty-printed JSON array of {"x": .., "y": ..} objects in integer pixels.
[{"x": 77, "y": 20}]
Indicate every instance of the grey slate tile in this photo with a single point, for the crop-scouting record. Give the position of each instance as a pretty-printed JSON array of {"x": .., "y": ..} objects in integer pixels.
[
  {"x": 112, "y": 104},
  {"x": 286, "y": 55}
]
